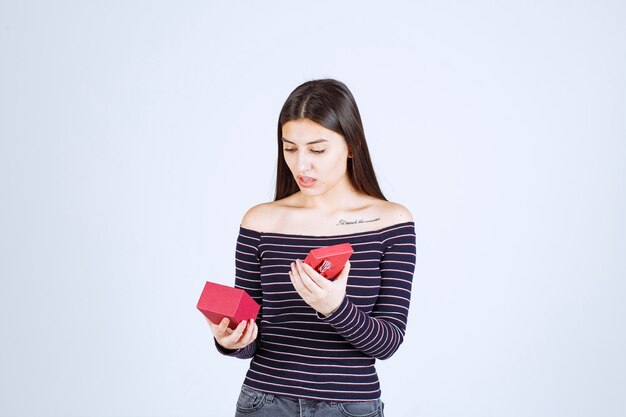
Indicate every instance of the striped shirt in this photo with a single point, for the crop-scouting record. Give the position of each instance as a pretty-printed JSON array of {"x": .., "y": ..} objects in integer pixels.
[{"x": 300, "y": 353}]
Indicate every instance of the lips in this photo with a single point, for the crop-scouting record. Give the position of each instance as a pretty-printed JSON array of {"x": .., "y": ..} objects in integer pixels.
[{"x": 306, "y": 181}]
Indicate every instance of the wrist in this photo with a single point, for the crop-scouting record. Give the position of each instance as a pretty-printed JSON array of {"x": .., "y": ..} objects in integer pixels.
[{"x": 330, "y": 312}]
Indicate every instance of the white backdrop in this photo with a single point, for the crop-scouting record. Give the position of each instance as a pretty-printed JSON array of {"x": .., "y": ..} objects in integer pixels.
[{"x": 134, "y": 135}]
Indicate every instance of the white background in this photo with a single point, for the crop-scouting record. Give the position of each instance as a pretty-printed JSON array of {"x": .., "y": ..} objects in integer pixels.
[{"x": 134, "y": 136}]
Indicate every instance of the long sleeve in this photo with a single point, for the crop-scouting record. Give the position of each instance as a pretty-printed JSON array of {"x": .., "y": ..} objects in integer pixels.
[
  {"x": 380, "y": 333},
  {"x": 248, "y": 278}
]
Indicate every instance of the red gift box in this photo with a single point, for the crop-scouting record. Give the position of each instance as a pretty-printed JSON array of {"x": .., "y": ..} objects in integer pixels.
[
  {"x": 218, "y": 301},
  {"x": 329, "y": 260}
]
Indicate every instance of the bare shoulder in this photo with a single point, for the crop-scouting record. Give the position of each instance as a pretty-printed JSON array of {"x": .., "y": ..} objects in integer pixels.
[
  {"x": 260, "y": 217},
  {"x": 268, "y": 217},
  {"x": 394, "y": 213}
]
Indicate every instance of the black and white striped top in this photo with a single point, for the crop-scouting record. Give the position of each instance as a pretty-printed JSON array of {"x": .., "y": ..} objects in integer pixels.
[{"x": 298, "y": 352}]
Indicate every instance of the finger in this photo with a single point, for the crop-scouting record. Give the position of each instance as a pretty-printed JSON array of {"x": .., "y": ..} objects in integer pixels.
[
  {"x": 255, "y": 331},
  {"x": 296, "y": 280},
  {"x": 234, "y": 337},
  {"x": 222, "y": 332},
  {"x": 215, "y": 328},
  {"x": 343, "y": 275},
  {"x": 243, "y": 340},
  {"x": 306, "y": 279},
  {"x": 245, "y": 337},
  {"x": 248, "y": 336},
  {"x": 223, "y": 325},
  {"x": 318, "y": 279}
]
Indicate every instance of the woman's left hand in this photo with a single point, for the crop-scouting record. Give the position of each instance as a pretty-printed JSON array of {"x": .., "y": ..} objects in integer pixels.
[{"x": 320, "y": 293}]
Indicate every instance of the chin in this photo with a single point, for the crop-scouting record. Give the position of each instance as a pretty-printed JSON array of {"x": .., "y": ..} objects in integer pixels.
[{"x": 311, "y": 192}]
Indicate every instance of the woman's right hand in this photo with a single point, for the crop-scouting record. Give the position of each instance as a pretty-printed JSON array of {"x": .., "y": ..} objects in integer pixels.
[{"x": 242, "y": 336}]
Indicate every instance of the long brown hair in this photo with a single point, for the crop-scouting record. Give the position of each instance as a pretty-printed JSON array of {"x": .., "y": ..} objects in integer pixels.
[{"x": 329, "y": 103}]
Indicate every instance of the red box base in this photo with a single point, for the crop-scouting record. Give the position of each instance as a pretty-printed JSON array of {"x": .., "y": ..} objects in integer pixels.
[{"x": 218, "y": 301}]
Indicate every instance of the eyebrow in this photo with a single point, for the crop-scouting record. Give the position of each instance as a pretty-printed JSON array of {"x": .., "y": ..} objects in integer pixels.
[{"x": 309, "y": 143}]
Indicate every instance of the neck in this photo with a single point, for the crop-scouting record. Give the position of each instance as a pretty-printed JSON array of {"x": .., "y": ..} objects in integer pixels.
[{"x": 336, "y": 199}]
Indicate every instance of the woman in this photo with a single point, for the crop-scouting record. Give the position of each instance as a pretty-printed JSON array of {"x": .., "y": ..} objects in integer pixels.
[{"x": 315, "y": 341}]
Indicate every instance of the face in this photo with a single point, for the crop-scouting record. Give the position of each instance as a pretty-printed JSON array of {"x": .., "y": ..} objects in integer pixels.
[{"x": 316, "y": 156}]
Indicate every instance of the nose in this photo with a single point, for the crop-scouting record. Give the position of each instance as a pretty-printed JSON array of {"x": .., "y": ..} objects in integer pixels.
[{"x": 304, "y": 162}]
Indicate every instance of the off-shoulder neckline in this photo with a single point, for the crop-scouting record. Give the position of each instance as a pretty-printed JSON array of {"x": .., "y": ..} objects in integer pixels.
[{"x": 366, "y": 232}]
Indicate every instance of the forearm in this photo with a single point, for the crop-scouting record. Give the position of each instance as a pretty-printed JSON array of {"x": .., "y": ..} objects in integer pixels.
[{"x": 377, "y": 337}]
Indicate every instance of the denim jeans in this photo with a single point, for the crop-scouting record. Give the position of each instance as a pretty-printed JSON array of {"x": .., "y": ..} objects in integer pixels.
[{"x": 252, "y": 403}]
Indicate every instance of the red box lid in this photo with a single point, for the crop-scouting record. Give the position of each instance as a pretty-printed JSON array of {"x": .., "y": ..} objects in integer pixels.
[{"x": 329, "y": 260}]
